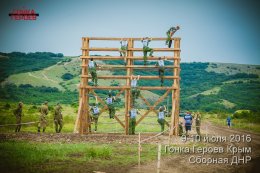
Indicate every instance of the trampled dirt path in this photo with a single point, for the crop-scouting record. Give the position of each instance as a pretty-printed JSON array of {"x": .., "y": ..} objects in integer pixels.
[{"x": 179, "y": 163}]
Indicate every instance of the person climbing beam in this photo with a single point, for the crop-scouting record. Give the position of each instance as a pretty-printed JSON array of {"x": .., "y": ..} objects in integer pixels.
[
  {"x": 44, "y": 110},
  {"x": 169, "y": 34},
  {"x": 93, "y": 71},
  {"x": 58, "y": 118},
  {"x": 95, "y": 113},
  {"x": 134, "y": 90},
  {"x": 161, "y": 117},
  {"x": 146, "y": 49},
  {"x": 110, "y": 104},
  {"x": 188, "y": 122},
  {"x": 160, "y": 64},
  {"x": 18, "y": 112},
  {"x": 123, "y": 49},
  {"x": 132, "y": 123}
]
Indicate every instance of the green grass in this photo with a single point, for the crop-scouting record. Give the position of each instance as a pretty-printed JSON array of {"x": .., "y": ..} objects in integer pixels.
[
  {"x": 29, "y": 156},
  {"x": 243, "y": 124}
]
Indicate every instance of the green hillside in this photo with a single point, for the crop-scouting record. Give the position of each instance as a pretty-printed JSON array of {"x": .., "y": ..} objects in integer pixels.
[{"x": 204, "y": 86}]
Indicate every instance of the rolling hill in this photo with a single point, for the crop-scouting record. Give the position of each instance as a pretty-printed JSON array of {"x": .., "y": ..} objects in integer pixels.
[{"x": 204, "y": 86}]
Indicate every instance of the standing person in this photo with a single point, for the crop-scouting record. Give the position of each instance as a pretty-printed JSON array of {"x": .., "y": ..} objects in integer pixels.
[
  {"x": 160, "y": 64},
  {"x": 180, "y": 129},
  {"x": 161, "y": 117},
  {"x": 146, "y": 49},
  {"x": 198, "y": 122},
  {"x": 169, "y": 34},
  {"x": 58, "y": 119},
  {"x": 229, "y": 121},
  {"x": 93, "y": 71},
  {"x": 132, "y": 113},
  {"x": 134, "y": 90},
  {"x": 110, "y": 104},
  {"x": 188, "y": 122},
  {"x": 123, "y": 49},
  {"x": 95, "y": 113},
  {"x": 18, "y": 115},
  {"x": 44, "y": 110}
]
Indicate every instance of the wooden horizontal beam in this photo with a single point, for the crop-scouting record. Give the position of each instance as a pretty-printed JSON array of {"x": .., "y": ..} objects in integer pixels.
[
  {"x": 128, "y": 77},
  {"x": 131, "y": 49},
  {"x": 128, "y": 87},
  {"x": 122, "y": 58},
  {"x": 152, "y": 67},
  {"x": 135, "y": 39}
]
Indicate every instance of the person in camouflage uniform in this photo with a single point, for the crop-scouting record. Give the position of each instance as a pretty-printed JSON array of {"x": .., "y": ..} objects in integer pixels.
[
  {"x": 95, "y": 113},
  {"x": 180, "y": 129},
  {"x": 18, "y": 115},
  {"x": 198, "y": 122},
  {"x": 161, "y": 117},
  {"x": 44, "y": 110},
  {"x": 132, "y": 122},
  {"x": 92, "y": 66},
  {"x": 134, "y": 90},
  {"x": 110, "y": 104},
  {"x": 169, "y": 34},
  {"x": 146, "y": 48},
  {"x": 58, "y": 118},
  {"x": 160, "y": 64},
  {"x": 123, "y": 49}
]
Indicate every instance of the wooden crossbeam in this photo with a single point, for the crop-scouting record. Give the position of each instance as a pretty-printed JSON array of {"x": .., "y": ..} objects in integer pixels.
[
  {"x": 120, "y": 122},
  {"x": 134, "y": 39},
  {"x": 122, "y": 58},
  {"x": 128, "y": 77},
  {"x": 152, "y": 108},
  {"x": 131, "y": 49},
  {"x": 128, "y": 87},
  {"x": 150, "y": 67}
]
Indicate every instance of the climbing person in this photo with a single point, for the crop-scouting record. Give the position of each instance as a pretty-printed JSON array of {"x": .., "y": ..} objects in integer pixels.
[
  {"x": 146, "y": 49},
  {"x": 110, "y": 104},
  {"x": 18, "y": 112},
  {"x": 44, "y": 110},
  {"x": 169, "y": 34},
  {"x": 123, "y": 49},
  {"x": 197, "y": 123},
  {"x": 58, "y": 119},
  {"x": 132, "y": 122},
  {"x": 161, "y": 117},
  {"x": 160, "y": 65},
  {"x": 95, "y": 113},
  {"x": 134, "y": 89},
  {"x": 180, "y": 129},
  {"x": 188, "y": 122},
  {"x": 229, "y": 121},
  {"x": 92, "y": 66}
]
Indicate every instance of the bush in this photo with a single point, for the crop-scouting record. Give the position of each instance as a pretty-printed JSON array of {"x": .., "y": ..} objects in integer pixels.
[{"x": 67, "y": 76}]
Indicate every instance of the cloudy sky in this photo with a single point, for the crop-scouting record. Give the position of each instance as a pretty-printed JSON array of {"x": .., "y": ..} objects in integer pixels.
[{"x": 211, "y": 31}]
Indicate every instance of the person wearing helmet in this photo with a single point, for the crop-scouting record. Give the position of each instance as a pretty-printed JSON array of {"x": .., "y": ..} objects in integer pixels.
[
  {"x": 146, "y": 48},
  {"x": 169, "y": 34},
  {"x": 188, "y": 122},
  {"x": 110, "y": 104},
  {"x": 123, "y": 49},
  {"x": 44, "y": 110},
  {"x": 160, "y": 64},
  {"x": 134, "y": 90},
  {"x": 95, "y": 113},
  {"x": 161, "y": 117},
  {"x": 92, "y": 66},
  {"x": 58, "y": 118}
]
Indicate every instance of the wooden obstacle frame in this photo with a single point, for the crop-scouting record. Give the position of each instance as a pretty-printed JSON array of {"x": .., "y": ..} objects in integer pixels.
[{"x": 83, "y": 122}]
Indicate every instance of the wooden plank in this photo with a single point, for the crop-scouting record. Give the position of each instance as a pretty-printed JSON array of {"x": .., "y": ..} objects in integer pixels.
[
  {"x": 150, "y": 67},
  {"x": 130, "y": 49},
  {"x": 128, "y": 87},
  {"x": 76, "y": 126},
  {"x": 127, "y": 38},
  {"x": 120, "y": 122},
  {"x": 152, "y": 108},
  {"x": 128, "y": 77},
  {"x": 127, "y": 57}
]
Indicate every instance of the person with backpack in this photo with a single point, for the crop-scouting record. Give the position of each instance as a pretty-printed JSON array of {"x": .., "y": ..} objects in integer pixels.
[
  {"x": 110, "y": 104},
  {"x": 188, "y": 122}
]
